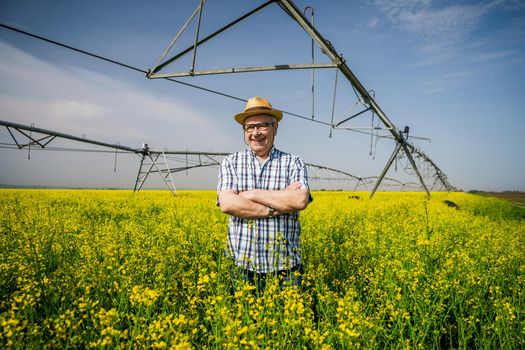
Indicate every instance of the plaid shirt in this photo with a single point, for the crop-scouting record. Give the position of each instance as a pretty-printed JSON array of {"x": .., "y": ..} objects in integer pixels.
[{"x": 267, "y": 244}]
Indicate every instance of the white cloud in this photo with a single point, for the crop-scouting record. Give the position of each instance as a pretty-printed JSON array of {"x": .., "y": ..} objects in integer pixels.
[
  {"x": 488, "y": 56},
  {"x": 511, "y": 62},
  {"x": 432, "y": 82},
  {"x": 434, "y": 91},
  {"x": 83, "y": 109},
  {"x": 445, "y": 81},
  {"x": 457, "y": 75},
  {"x": 439, "y": 28},
  {"x": 77, "y": 101},
  {"x": 373, "y": 23}
]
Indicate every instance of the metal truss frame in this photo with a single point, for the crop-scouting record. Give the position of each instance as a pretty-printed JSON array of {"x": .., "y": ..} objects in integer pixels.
[
  {"x": 153, "y": 73},
  {"x": 149, "y": 163},
  {"x": 164, "y": 173},
  {"x": 365, "y": 97},
  {"x": 153, "y": 161}
]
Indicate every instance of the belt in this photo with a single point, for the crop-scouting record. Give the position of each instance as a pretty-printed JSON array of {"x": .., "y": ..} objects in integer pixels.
[{"x": 263, "y": 275}]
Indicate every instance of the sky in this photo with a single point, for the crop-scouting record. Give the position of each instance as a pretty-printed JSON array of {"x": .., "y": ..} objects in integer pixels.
[{"x": 453, "y": 71}]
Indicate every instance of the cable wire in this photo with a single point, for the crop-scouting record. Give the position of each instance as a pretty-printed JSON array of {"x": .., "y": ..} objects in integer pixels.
[
  {"x": 146, "y": 72},
  {"x": 125, "y": 65},
  {"x": 5, "y": 145}
]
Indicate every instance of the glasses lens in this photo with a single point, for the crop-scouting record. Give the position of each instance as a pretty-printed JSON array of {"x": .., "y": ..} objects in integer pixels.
[
  {"x": 262, "y": 126},
  {"x": 259, "y": 126}
]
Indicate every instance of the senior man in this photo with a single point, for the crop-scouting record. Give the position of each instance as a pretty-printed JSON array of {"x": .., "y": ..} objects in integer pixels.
[{"x": 263, "y": 190}]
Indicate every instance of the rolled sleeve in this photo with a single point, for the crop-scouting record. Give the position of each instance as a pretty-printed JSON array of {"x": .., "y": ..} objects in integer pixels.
[
  {"x": 299, "y": 174},
  {"x": 227, "y": 177}
]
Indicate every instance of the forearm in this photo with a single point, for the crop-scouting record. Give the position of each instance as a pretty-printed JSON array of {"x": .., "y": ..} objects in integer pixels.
[
  {"x": 284, "y": 201},
  {"x": 236, "y": 205}
]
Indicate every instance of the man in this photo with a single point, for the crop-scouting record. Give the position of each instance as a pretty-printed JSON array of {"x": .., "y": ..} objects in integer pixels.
[{"x": 263, "y": 190}]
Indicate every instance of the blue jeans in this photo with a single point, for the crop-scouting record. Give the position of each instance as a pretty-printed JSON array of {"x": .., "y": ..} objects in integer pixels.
[{"x": 287, "y": 278}]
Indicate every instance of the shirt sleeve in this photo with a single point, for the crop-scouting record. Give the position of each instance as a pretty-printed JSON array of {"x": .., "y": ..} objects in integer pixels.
[
  {"x": 227, "y": 177},
  {"x": 299, "y": 174}
]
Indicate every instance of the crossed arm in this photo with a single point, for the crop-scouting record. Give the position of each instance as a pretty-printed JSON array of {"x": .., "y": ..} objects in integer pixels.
[{"x": 253, "y": 204}]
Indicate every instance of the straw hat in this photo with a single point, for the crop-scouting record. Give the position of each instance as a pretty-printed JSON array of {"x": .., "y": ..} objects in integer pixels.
[{"x": 256, "y": 106}]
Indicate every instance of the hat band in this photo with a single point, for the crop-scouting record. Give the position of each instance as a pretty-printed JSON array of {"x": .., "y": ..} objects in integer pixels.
[{"x": 262, "y": 108}]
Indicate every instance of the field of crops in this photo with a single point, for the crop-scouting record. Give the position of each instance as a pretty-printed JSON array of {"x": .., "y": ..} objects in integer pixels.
[{"x": 117, "y": 270}]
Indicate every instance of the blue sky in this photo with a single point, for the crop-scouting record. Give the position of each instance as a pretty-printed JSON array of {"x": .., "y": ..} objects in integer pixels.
[{"x": 454, "y": 71}]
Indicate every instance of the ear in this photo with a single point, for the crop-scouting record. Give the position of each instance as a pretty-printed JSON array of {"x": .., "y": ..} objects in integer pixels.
[{"x": 276, "y": 127}]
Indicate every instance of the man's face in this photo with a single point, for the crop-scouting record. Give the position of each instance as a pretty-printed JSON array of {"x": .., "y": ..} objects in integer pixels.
[{"x": 260, "y": 141}]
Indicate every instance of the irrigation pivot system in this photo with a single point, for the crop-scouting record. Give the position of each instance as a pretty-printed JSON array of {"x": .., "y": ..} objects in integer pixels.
[
  {"x": 417, "y": 164},
  {"x": 158, "y": 162},
  {"x": 150, "y": 160},
  {"x": 365, "y": 98}
]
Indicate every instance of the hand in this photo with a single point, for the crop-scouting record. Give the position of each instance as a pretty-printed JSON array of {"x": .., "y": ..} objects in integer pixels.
[
  {"x": 250, "y": 194},
  {"x": 294, "y": 186}
]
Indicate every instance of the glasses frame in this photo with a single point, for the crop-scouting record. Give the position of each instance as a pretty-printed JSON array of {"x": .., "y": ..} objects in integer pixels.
[{"x": 259, "y": 126}]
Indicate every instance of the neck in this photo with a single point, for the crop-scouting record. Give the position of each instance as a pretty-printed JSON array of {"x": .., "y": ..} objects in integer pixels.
[
  {"x": 262, "y": 159},
  {"x": 263, "y": 155}
]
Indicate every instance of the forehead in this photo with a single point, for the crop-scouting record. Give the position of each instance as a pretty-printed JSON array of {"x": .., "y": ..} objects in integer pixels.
[{"x": 259, "y": 118}]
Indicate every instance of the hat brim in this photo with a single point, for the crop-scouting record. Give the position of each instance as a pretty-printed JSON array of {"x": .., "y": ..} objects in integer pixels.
[{"x": 241, "y": 117}]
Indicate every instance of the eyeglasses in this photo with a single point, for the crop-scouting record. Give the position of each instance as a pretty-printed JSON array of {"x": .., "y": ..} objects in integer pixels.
[{"x": 259, "y": 126}]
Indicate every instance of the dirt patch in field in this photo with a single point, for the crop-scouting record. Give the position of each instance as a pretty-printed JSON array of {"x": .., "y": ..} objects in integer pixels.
[{"x": 516, "y": 198}]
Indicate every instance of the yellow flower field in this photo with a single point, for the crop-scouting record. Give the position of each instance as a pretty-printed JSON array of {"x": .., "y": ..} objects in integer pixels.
[{"x": 95, "y": 269}]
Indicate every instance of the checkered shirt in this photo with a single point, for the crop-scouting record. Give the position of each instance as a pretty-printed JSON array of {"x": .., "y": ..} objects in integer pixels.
[{"x": 267, "y": 244}]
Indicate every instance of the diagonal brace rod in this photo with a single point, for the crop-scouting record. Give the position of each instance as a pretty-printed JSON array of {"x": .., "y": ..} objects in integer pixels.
[
  {"x": 411, "y": 159},
  {"x": 387, "y": 166},
  {"x": 351, "y": 117},
  {"x": 33, "y": 141},
  {"x": 177, "y": 36},
  {"x": 214, "y": 34},
  {"x": 196, "y": 38}
]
